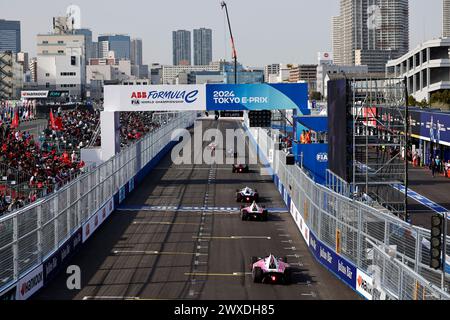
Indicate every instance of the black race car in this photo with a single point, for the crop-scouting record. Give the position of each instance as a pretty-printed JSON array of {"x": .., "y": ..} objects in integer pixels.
[{"x": 240, "y": 168}]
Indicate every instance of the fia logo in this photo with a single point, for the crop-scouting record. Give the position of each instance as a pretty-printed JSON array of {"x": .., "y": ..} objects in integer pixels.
[
  {"x": 322, "y": 157},
  {"x": 135, "y": 102}
]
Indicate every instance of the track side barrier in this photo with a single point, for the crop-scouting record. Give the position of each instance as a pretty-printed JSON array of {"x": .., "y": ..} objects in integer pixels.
[
  {"x": 348, "y": 237},
  {"x": 37, "y": 241}
]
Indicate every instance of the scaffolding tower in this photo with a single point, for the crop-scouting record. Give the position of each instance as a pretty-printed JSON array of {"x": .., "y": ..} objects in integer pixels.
[{"x": 379, "y": 126}]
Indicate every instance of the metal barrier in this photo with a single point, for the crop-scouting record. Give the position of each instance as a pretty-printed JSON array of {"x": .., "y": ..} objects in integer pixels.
[
  {"x": 358, "y": 233},
  {"x": 30, "y": 235}
]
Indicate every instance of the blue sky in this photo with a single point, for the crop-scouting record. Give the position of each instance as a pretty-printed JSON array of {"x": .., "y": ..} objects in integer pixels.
[{"x": 265, "y": 31}]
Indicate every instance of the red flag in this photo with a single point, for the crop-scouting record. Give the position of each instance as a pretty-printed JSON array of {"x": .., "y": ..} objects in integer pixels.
[
  {"x": 59, "y": 123},
  {"x": 52, "y": 120},
  {"x": 15, "y": 122}
]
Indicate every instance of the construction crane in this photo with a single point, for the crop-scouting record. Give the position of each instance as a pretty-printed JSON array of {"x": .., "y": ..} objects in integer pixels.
[{"x": 224, "y": 5}]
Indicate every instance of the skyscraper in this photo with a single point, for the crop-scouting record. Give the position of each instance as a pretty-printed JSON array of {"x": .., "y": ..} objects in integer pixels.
[
  {"x": 446, "y": 19},
  {"x": 10, "y": 36},
  {"x": 136, "y": 52},
  {"x": 202, "y": 46},
  {"x": 181, "y": 41},
  {"x": 336, "y": 40},
  {"x": 87, "y": 41},
  {"x": 371, "y": 32},
  {"x": 120, "y": 44}
]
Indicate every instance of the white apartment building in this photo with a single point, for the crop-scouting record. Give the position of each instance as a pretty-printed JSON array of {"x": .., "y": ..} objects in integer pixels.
[
  {"x": 271, "y": 69},
  {"x": 61, "y": 63},
  {"x": 427, "y": 68},
  {"x": 108, "y": 70},
  {"x": 170, "y": 72},
  {"x": 325, "y": 69}
]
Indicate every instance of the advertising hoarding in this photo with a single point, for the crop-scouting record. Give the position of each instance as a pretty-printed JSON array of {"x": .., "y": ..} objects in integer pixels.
[
  {"x": 341, "y": 267},
  {"x": 155, "y": 98},
  {"x": 364, "y": 284},
  {"x": 432, "y": 126},
  {"x": 97, "y": 219},
  {"x": 31, "y": 283},
  {"x": 34, "y": 94},
  {"x": 234, "y": 97},
  {"x": 62, "y": 255}
]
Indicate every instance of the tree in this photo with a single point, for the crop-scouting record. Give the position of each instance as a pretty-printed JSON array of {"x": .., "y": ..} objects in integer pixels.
[
  {"x": 315, "y": 95},
  {"x": 412, "y": 101}
]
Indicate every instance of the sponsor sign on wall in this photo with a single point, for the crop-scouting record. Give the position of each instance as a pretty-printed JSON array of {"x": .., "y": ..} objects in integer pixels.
[
  {"x": 257, "y": 96},
  {"x": 364, "y": 284},
  {"x": 155, "y": 98},
  {"x": 31, "y": 283},
  {"x": 34, "y": 94},
  {"x": 304, "y": 230},
  {"x": 97, "y": 219},
  {"x": 64, "y": 253},
  {"x": 341, "y": 267}
]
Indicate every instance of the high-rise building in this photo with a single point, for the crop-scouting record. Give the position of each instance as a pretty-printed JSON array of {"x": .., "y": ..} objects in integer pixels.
[
  {"x": 446, "y": 19},
  {"x": 94, "y": 52},
  {"x": 202, "y": 46},
  {"x": 120, "y": 44},
  {"x": 22, "y": 58},
  {"x": 10, "y": 36},
  {"x": 87, "y": 41},
  {"x": 337, "y": 43},
  {"x": 367, "y": 29},
  {"x": 11, "y": 76},
  {"x": 136, "y": 52},
  {"x": 273, "y": 69},
  {"x": 181, "y": 41}
]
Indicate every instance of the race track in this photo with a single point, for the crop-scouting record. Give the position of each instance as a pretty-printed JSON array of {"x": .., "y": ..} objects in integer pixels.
[{"x": 146, "y": 252}]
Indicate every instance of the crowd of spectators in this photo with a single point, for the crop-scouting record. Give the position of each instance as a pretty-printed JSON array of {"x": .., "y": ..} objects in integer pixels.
[
  {"x": 134, "y": 125},
  {"x": 43, "y": 168},
  {"x": 53, "y": 159}
]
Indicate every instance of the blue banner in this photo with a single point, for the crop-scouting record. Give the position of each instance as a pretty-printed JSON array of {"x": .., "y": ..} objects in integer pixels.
[
  {"x": 432, "y": 125},
  {"x": 282, "y": 96},
  {"x": 62, "y": 255},
  {"x": 330, "y": 259},
  {"x": 314, "y": 159}
]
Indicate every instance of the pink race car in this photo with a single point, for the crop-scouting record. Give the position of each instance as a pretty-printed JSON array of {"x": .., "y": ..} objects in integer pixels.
[
  {"x": 254, "y": 212},
  {"x": 271, "y": 270}
]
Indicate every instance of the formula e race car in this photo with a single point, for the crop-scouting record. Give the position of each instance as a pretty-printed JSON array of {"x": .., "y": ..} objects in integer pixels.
[
  {"x": 247, "y": 195},
  {"x": 271, "y": 270},
  {"x": 254, "y": 212},
  {"x": 240, "y": 168}
]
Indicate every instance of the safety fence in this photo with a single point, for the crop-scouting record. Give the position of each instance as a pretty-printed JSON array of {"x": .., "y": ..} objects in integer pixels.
[
  {"x": 376, "y": 254},
  {"x": 37, "y": 240}
]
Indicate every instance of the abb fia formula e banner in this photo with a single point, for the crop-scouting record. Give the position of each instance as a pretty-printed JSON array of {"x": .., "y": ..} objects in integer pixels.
[
  {"x": 208, "y": 97},
  {"x": 281, "y": 96},
  {"x": 155, "y": 98}
]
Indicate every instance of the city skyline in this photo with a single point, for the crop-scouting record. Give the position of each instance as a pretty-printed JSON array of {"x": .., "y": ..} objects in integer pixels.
[{"x": 252, "y": 42}]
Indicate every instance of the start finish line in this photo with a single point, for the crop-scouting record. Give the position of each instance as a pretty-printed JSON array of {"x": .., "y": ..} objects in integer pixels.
[{"x": 208, "y": 97}]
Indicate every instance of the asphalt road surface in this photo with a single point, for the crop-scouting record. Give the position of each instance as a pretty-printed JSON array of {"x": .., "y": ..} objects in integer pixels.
[{"x": 145, "y": 253}]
